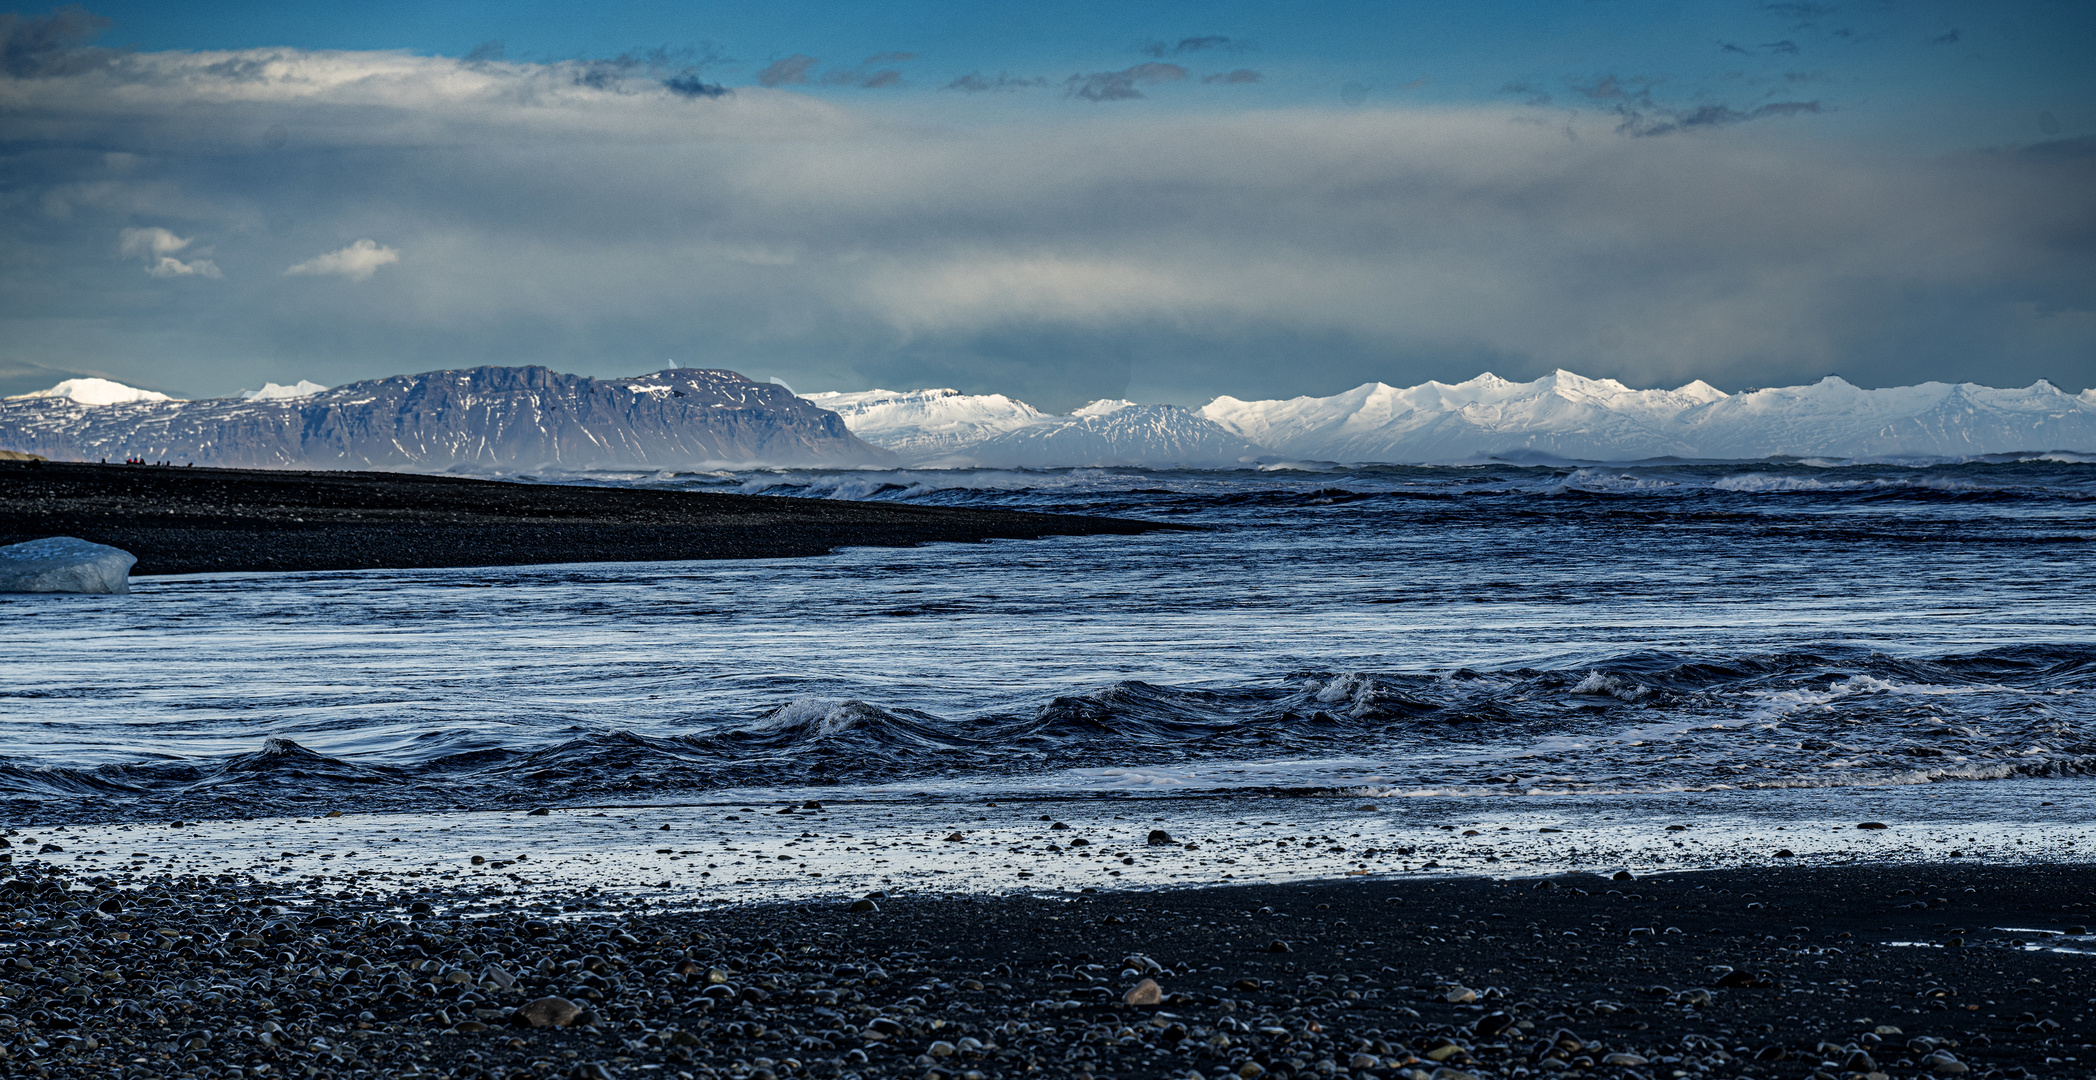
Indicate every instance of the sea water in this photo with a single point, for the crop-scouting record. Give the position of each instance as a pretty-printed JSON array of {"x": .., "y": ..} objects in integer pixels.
[{"x": 1527, "y": 632}]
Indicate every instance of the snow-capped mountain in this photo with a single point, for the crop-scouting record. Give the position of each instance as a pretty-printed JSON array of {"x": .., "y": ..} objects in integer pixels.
[
  {"x": 947, "y": 429},
  {"x": 508, "y": 419},
  {"x": 924, "y": 424},
  {"x": 1561, "y": 414},
  {"x": 1106, "y": 434},
  {"x": 1834, "y": 418},
  {"x": 95, "y": 392},
  {"x": 1569, "y": 416},
  {"x": 280, "y": 392}
]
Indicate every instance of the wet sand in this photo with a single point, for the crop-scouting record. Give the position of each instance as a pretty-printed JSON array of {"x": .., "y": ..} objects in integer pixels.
[{"x": 181, "y": 520}]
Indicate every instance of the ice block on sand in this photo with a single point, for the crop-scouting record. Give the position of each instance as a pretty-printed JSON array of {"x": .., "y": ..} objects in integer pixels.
[{"x": 65, "y": 564}]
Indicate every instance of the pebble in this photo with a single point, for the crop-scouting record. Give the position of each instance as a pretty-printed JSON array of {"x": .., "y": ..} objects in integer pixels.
[
  {"x": 550, "y": 1012},
  {"x": 1146, "y": 992}
]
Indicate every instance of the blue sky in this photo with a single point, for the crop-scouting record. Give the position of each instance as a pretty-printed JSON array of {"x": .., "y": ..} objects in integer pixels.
[{"x": 1065, "y": 201}]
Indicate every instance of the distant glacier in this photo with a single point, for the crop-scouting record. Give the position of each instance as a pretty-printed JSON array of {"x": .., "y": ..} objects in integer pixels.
[
  {"x": 483, "y": 419},
  {"x": 1561, "y": 416}
]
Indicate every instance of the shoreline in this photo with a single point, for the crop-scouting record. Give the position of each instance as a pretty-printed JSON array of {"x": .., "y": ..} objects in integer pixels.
[
  {"x": 180, "y": 520},
  {"x": 1781, "y": 972},
  {"x": 806, "y": 844}
]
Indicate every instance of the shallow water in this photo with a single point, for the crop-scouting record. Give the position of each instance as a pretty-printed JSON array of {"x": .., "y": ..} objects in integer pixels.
[{"x": 1379, "y": 631}]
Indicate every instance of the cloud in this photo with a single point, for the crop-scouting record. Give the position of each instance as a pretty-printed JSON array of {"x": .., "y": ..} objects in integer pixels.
[
  {"x": 676, "y": 70},
  {"x": 1121, "y": 85},
  {"x": 1950, "y": 38},
  {"x": 975, "y": 82},
  {"x": 600, "y": 226},
  {"x": 1643, "y": 114},
  {"x": 691, "y": 86},
  {"x": 1205, "y": 43},
  {"x": 357, "y": 262},
  {"x": 798, "y": 70},
  {"x": 33, "y": 47},
  {"x": 1535, "y": 94},
  {"x": 861, "y": 78},
  {"x": 792, "y": 71},
  {"x": 1241, "y": 75},
  {"x": 157, "y": 247}
]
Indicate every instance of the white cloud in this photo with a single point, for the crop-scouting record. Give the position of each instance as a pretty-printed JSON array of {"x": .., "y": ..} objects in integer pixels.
[
  {"x": 157, "y": 247},
  {"x": 357, "y": 262}
]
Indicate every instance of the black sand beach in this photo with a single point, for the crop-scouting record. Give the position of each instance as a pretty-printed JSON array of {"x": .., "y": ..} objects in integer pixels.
[
  {"x": 1780, "y": 972},
  {"x": 185, "y": 520}
]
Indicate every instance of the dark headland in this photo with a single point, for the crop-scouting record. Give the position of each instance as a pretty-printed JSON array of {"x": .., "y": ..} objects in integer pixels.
[{"x": 180, "y": 520}]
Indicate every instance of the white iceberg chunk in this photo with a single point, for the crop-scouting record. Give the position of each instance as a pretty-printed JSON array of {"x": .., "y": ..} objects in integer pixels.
[{"x": 65, "y": 564}]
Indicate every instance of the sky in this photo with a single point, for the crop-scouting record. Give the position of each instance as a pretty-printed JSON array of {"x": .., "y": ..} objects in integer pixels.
[{"x": 1057, "y": 201}]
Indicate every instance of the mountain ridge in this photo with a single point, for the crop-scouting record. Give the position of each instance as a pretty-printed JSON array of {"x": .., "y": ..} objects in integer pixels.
[
  {"x": 1562, "y": 415},
  {"x": 499, "y": 419}
]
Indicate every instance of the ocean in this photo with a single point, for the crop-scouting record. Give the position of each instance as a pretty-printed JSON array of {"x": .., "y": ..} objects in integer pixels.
[{"x": 1540, "y": 632}]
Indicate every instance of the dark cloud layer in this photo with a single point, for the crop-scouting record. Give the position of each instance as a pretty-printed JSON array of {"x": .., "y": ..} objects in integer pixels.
[{"x": 596, "y": 217}]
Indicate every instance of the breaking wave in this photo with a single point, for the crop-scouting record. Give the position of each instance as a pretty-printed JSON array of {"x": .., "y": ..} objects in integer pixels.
[{"x": 1652, "y": 721}]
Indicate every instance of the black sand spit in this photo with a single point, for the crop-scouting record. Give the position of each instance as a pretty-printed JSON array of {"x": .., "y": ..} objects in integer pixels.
[{"x": 181, "y": 520}]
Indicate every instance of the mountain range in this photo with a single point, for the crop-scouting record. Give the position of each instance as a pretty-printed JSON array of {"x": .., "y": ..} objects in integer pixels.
[
  {"x": 532, "y": 419},
  {"x": 1561, "y": 416}
]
